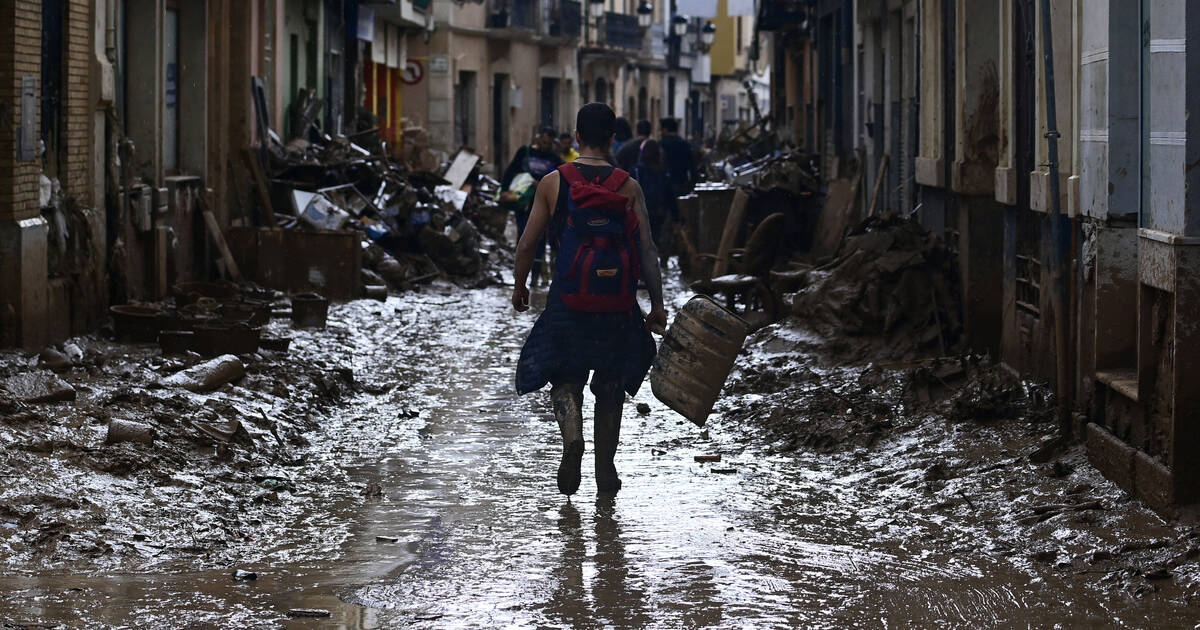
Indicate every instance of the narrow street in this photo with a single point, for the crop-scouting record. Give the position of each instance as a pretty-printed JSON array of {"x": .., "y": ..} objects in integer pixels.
[{"x": 470, "y": 532}]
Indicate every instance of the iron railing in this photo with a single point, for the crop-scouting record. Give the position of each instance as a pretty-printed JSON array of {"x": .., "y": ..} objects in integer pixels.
[{"x": 622, "y": 31}]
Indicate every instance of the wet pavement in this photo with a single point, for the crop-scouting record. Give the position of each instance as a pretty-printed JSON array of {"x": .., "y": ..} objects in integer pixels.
[{"x": 465, "y": 528}]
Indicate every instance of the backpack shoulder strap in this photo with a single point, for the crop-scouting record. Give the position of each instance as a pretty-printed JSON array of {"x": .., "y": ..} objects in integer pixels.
[
  {"x": 615, "y": 180},
  {"x": 571, "y": 174}
]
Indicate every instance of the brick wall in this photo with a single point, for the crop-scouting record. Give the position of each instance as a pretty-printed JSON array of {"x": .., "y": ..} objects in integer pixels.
[
  {"x": 20, "y": 55},
  {"x": 77, "y": 134}
]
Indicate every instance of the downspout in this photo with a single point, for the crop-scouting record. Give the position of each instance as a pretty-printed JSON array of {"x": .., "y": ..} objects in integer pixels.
[{"x": 1059, "y": 231}]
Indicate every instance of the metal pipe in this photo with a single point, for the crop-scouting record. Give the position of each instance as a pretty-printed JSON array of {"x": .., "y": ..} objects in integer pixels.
[{"x": 1059, "y": 232}]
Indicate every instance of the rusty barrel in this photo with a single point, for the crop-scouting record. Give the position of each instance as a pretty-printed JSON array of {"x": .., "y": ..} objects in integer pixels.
[{"x": 696, "y": 356}]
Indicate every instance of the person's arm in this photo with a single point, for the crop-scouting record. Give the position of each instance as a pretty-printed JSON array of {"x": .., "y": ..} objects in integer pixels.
[
  {"x": 656, "y": 320},
  {"x": 539, "y": 217}
]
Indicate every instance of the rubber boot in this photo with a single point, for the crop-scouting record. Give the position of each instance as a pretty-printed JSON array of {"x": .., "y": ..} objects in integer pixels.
[
  {"x": 608, "y": 432},
  {"x": 568, "y": 410}
]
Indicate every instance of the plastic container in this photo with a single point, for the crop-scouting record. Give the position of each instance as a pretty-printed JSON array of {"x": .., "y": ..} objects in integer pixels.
[
  {"x": 696, "y": 356},
  {"x": 309, "y": 310},
  {"x": 175, "y": 341},
  {"x": 139, "y": 324},
  {"x": 216, "y": 339}
]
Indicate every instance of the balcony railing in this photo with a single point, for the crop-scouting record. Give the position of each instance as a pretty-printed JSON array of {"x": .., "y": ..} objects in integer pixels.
[
  {"x": 523, "y": 14},
  {"x": 622, "y": 31},
  {"x": 566, "y": 18}
]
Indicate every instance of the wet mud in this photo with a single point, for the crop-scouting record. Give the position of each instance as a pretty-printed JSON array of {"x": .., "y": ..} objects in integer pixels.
[{"x": 410, "y": 487}]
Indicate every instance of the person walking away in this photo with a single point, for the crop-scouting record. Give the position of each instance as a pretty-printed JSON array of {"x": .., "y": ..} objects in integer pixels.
[
  {"x": 651, "y": 175},
  {"x": 677, "y": 153},
  {"x": 519, "y": 183},
  {"x": 627, "y": 157},
  {"x": 592, "y": 323},
  {"x": 624, "y": 134},
  {"x": 566, "y": 147}
]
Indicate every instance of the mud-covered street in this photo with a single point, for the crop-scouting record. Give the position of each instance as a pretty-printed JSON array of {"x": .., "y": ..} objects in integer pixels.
[{"x": 421, "y": 494}]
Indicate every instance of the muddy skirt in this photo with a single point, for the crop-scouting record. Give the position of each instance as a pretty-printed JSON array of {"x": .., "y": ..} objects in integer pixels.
[{"x": 566, "y": 344}]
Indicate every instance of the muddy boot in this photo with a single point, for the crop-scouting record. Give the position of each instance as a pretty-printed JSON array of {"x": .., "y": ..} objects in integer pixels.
[
  {"x": 568, "y": 410},
  {"x": 608, "y": 431}
]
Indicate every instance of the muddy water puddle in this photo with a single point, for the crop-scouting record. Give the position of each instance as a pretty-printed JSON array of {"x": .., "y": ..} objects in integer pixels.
[{"x": 466, "y": 529}]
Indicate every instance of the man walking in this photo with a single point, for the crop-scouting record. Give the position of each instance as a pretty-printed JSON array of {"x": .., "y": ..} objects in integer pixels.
[
  {"x": 677, "y": 153},
  {"x": 627, "y": 157},
  {"x": 531, "y": 163},
  {"x": 592, "y": 323}
]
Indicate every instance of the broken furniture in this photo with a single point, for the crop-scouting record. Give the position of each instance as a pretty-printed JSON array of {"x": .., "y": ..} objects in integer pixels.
[{"x": 748, "y": 285}]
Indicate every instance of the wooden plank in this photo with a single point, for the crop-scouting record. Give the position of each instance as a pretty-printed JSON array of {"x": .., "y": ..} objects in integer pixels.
[
  {"x": 835, "y": 217},
  {"x": 883, "y": 165},
  {"x": 214, "y": 231},
  {"x": 260, "y": 183},
  {"x": 733, "y": 225},
  {"x": 461, "y": 169}
]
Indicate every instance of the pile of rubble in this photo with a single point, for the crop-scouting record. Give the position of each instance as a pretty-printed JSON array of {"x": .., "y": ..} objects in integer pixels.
[
  {"x": 414, "y": 224},
  {"x": 891, "y": 292}
]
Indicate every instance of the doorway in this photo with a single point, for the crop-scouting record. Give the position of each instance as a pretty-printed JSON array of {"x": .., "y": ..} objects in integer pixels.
[
  {"x": 500, "y": 120},
  {"x": 464, "y": 109},
  {"x": 549, "y": 103}
]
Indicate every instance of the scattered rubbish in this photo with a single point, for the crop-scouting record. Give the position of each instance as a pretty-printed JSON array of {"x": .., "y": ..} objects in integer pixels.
[
  {"x": 244, "y": 576},
  {"x": 643, "y": 409},
  {"x": 225, "y": 432},
  {"x": 209, "y": 375},
  {"x": 39, "y": 387},
  {"x": 708, "y": 458},
  {"x": 53, "y": 360},
  {"x": 315, "y": 613},
  {"x": 129, "y": 431},
  {"x": 309, "y": 310}
]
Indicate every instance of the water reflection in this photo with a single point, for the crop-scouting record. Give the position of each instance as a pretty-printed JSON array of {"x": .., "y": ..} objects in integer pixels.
[{"x": 617, "y": 589}]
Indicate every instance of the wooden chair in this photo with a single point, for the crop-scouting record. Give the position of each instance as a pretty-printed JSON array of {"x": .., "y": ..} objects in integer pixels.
[{"x": 748, "y": 285}]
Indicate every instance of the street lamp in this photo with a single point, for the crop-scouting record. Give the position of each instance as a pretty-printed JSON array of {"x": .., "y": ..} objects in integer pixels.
[
  {"x": 645, "y": 14},
  {"x": 679, "y": 25},
  {"x": 596, "y": 8},
  {"x": 708, "y": 34}
]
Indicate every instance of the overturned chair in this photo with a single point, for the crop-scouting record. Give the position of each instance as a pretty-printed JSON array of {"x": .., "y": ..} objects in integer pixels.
[{"x": 747, "y": 289}]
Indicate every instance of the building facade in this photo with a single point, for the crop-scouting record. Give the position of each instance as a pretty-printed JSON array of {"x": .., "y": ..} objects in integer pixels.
[{"x": 946, "y": 103}]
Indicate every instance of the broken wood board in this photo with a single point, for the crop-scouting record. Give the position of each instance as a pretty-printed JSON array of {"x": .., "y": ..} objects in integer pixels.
[
  {"x": 214, "y": 231},
  {"x": 733, "y": 226},
  {"x": 836, "y": 216},
  {"x": 260, "y": 184},
  {"x": 461, "y": 169}
]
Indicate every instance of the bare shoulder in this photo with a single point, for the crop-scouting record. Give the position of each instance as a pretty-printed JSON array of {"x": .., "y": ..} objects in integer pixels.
[
  {"x": 630, "y": 187},
  {"x": 548, "y": 185}
]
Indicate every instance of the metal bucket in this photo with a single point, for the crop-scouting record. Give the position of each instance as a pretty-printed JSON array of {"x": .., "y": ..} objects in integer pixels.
[{"x": 696, "y": 356}]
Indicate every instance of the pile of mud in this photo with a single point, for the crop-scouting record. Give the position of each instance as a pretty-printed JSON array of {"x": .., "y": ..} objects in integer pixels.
[
  {"x": 784, "y": 384},
  {"x": 203, "y": 476},
  {"x": 890, "y": 293}
]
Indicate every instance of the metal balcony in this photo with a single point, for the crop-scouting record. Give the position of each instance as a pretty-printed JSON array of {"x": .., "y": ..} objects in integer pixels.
[{"x": 622, "y": 31}]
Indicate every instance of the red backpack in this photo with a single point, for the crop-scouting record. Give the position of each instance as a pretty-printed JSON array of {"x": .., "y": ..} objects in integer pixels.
[{"x": 598, "y": 264}]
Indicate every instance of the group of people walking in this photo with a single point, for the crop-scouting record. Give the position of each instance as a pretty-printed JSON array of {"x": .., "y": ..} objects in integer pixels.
[{"x": 664, "y": 167}]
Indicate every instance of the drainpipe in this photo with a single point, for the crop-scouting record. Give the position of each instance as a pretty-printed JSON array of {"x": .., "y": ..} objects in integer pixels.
[{"x": 1059, "y": 231}]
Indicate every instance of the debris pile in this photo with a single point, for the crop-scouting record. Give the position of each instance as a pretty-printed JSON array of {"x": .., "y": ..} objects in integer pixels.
[
  {"x": 891, "y": 292},
  {"x": 424, "y": 221}
]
